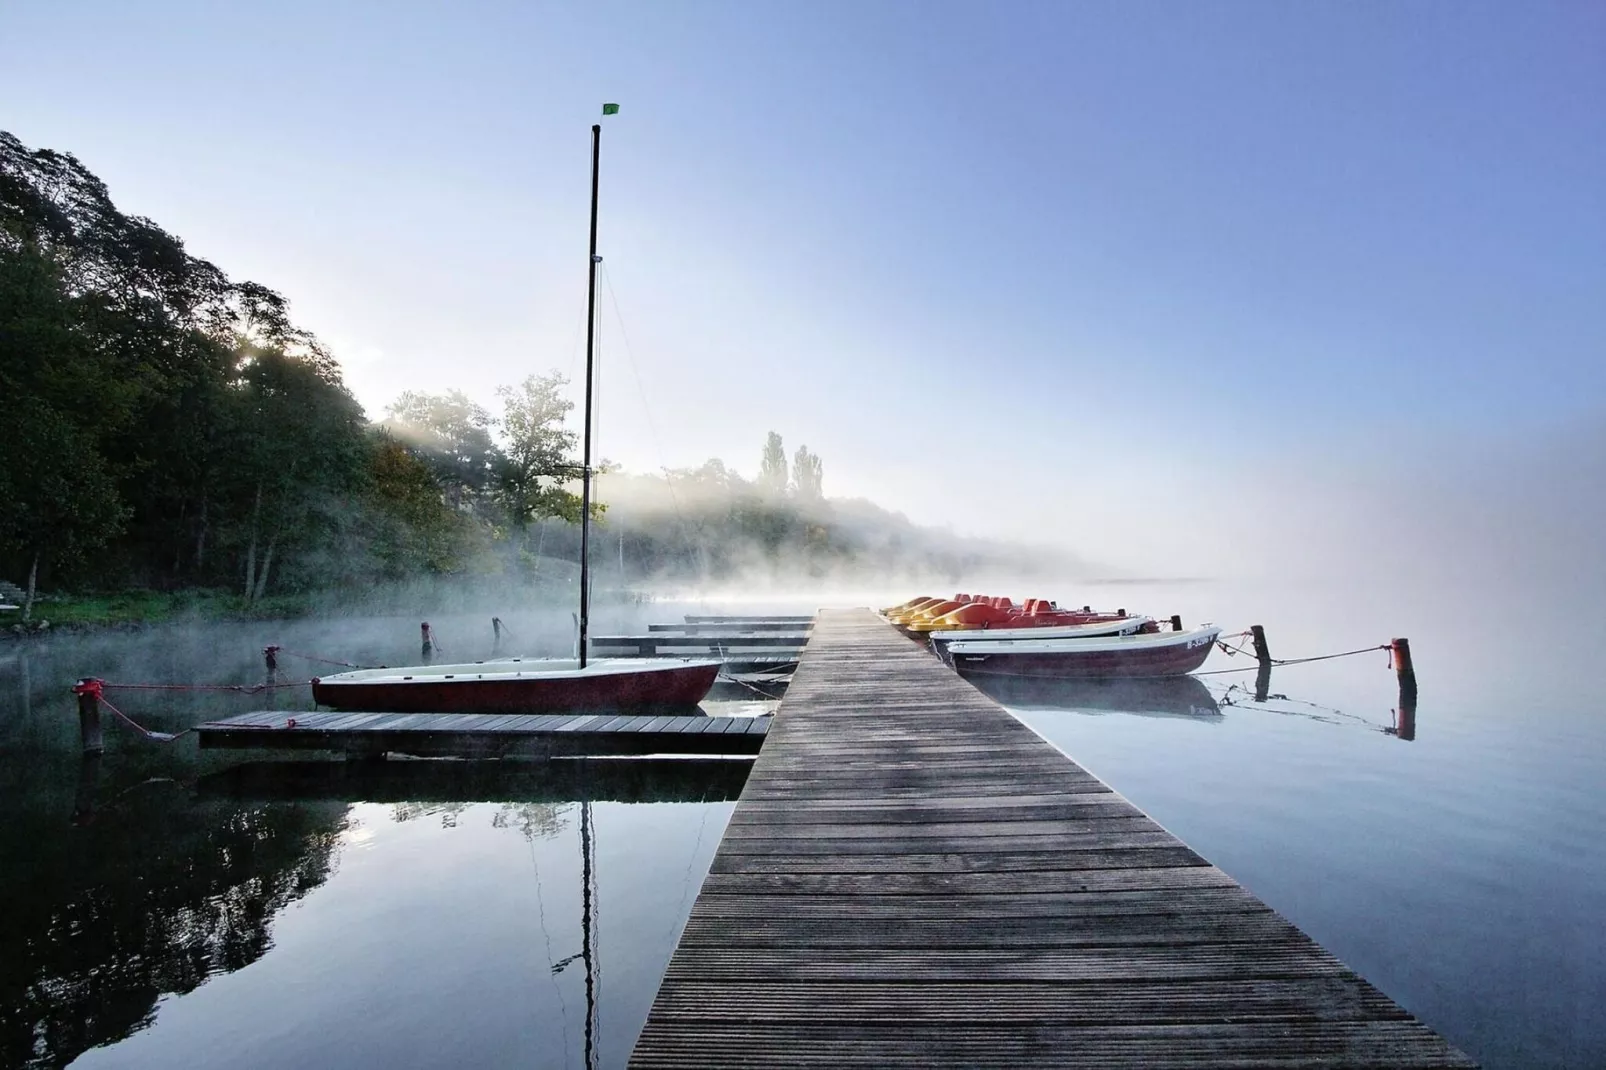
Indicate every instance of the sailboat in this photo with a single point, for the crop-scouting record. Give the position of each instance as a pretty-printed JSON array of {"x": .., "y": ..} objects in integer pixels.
[{"x": 537, "y": 685}]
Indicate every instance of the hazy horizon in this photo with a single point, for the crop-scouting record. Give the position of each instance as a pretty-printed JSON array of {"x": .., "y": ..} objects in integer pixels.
[{"x": 1182, "y": 291}]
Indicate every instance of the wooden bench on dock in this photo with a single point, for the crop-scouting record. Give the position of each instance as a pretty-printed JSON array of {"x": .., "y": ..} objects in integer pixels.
[{"x": 912, "y": 877}]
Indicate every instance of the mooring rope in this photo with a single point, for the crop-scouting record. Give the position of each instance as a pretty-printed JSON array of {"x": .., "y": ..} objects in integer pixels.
[
  {"x": 95, "y": 689},
  {"x": 743, "y": 683},
  {"x": 240, "y": 689},
  {"x": 327, "y": 661}
]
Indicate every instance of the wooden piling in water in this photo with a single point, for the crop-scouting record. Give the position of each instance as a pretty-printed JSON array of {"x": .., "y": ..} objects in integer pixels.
[
  {"x": 427, "y": 649},
  {"x": 1263, "y": 656},
  {"x": 496, "y": 633},
  {"x": 1405, "y": 671},
  {"x": 270, "y": 658},
  {"x": 83, "y": 807},
  {"x": 88, "y": 690},
  {"x": 1262, "y": 651}
]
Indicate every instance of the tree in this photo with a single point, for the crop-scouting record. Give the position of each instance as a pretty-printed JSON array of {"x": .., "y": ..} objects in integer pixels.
[
  {"x": 452, "y": 435},
  {"x": 808, "y": 476},
  {"x": 59, "y": 500},
  {"x": 300, "y": 452},
  {"x": 537, "y": 461},
  {"x": 411, "y": 529},
  {"x": 772, "y": 468}
]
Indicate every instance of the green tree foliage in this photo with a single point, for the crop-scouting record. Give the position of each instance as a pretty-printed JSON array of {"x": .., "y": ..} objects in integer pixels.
[
  {"x": 452, "y": 435},
  {"x": 411, "y": 529},
  {"x": 808, "y": 476},
  {"x": 162, "y": 424},
  {"x": 537, "y": 459},
  {"x": 772, "y": 467}
]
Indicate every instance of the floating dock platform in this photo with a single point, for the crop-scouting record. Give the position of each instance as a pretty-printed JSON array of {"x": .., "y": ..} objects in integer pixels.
[
  {"x": 912, "y": 877},
  {"x": 464, "y": 735}
]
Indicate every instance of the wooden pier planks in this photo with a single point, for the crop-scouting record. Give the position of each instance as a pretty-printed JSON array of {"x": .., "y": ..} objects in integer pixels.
[
  {"x": 914, "y": 878},
  {"x": 487, "y": 735}
]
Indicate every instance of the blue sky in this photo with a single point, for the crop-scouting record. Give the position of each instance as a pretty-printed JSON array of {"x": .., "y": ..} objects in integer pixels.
[{"x": 1056, "y": 270}]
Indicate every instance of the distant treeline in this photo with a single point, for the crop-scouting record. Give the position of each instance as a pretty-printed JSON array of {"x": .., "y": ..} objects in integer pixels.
[{"x": 163, "y": 426}]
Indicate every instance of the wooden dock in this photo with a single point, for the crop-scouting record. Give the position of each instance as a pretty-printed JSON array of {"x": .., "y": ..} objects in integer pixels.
[
  {"x": 464, "y": 735},
  {"x": 912, "y": 877},
  {"x": 670, "y": 644}
]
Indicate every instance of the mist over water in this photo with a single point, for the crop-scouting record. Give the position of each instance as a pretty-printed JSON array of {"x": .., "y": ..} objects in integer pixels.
[{"x": 1461, "y": 871}]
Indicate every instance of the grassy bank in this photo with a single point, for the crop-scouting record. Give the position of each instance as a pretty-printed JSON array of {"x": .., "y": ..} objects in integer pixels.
[{"x": 151, "y": 607}]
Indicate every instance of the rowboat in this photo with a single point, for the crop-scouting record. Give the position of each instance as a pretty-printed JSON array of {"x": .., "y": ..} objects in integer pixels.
[
  {"x": 540, "y": 684},
  {"x": 1159, "y": 654},
  {"x": 1095, "y": 630}
]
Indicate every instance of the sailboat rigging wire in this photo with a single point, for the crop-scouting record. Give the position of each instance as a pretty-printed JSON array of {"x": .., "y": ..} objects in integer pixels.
[
  {"x": 635, "y": 374},
  {"x": 540, "y": 907}
]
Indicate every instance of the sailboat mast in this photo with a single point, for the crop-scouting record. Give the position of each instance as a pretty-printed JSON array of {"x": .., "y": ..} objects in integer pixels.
[{"x": 585, "y": 461}]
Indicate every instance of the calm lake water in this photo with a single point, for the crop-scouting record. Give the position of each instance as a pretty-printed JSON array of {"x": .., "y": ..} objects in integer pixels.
[{"x": 174, "y": 908}]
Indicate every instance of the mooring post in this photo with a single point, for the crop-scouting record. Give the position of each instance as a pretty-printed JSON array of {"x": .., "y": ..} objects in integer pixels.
[
  {"x": 1405, "y": 718},
  {"x": 428, "y": 650},
  {"x": 270, "y": 658},
  {"x": 1406, "y": 671},
  {"x": 88, "y": 692},
  {"x": 1176, "y": 622},
  {"x": 83, "y": 807},
  {"x": 496, "y": 629},
  {"x": 1263, "y": 656},
  {"x": 1262, "y": 651}
]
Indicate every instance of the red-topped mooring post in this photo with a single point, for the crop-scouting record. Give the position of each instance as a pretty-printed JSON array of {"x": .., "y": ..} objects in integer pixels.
[
  {"x": 88, "y": 692},
  {"x": 1404, "y": 670}
]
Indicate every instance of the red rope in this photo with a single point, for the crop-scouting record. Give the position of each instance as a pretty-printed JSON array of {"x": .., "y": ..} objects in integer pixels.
[
  {"x": 242, "y": 689},
  {"x": 160, "y": 737}
]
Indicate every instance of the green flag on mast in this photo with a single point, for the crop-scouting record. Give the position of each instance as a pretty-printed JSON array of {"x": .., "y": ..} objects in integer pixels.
[{"x": 610, "y": 109}]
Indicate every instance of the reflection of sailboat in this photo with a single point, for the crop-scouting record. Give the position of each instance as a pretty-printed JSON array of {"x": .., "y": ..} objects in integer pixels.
[
  {"x": 588, "y": 931},
  {"x": 1171, "y": 696}
]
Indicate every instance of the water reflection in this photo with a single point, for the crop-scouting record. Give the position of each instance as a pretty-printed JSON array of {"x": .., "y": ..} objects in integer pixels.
[
  {"x": 111, "y": 916},
  {"x": 632, "y": 780},
  {"x": 1172, "y": 696},
  {"x": 168, "y": 882}
]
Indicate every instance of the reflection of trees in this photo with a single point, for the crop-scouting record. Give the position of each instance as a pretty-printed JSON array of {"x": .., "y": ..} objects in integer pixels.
[
  {"x": 412, "y": 811},
  {"x": 534, "y": 821},
  {"x": 153, "y": 897}
]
